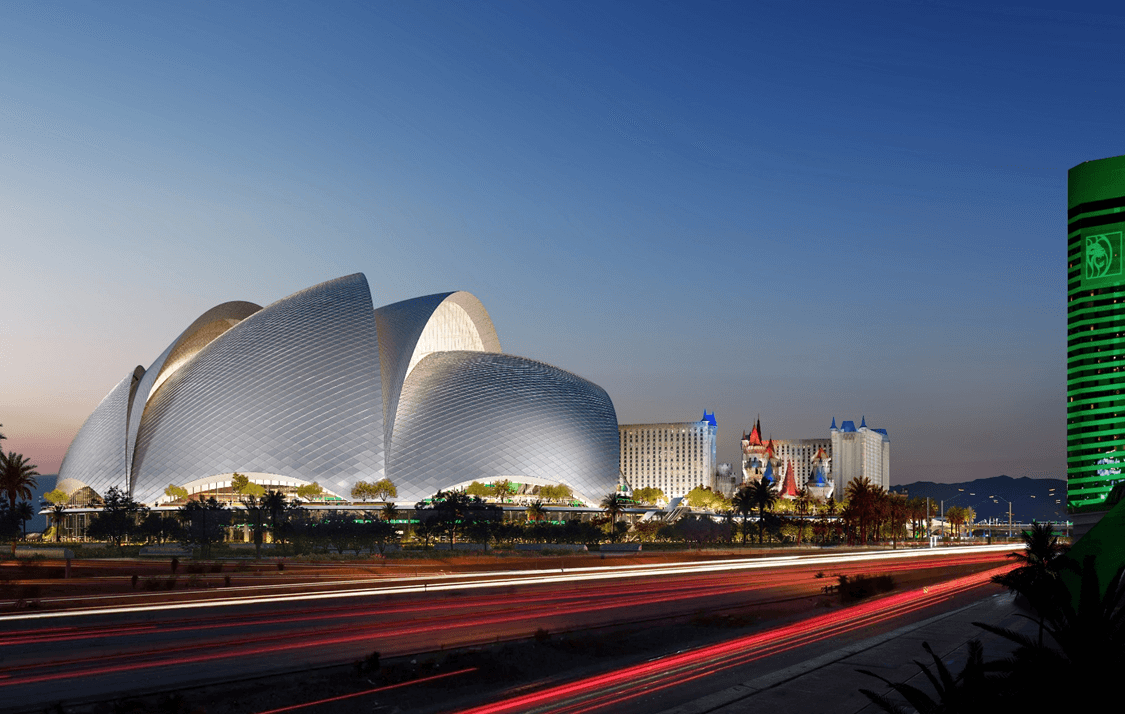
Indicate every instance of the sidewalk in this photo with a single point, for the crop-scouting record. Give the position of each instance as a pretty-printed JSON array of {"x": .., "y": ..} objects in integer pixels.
[{"x": 830, "y": 684}]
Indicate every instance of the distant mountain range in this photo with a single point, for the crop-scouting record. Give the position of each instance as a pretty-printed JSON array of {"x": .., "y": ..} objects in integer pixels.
[{"x": 1038, "y": 499}]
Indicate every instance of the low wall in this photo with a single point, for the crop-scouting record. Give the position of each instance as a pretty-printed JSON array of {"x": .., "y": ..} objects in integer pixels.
[
  {"x": 165, "y": 551},
  {"x": 30, "y": 551},
  {"x": 570, "y": 547},
  {"x": 461, "y": 546},
  {"x": 620, "y": 547}
]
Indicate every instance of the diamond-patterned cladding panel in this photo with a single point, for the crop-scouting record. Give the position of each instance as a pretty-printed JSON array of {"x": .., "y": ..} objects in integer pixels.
[
  {"x": 478, "y": 416},
  {"x": 140, "y": 397},
  {"x": 400, "y": 326},
  {"x": 296, "y": 389},
  {"x": 96, "y": 457},
  {"x": 293, "y": 390},
  {"x": 187, "y": 344}
]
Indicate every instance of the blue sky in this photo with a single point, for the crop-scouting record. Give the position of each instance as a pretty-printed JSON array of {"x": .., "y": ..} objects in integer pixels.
[{"x": 797, "y": 210}]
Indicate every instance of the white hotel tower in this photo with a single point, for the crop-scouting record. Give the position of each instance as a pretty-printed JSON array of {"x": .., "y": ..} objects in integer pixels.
[
  {"x": 672, "y": 457},
  {"x": 860, "y": 452}
]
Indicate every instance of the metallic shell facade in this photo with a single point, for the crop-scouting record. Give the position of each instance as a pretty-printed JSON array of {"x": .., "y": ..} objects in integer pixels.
[
  {"x": 403, "y": 324},
  {"x": 466, "y": 416},
  {"x": 206, "y": 328},
  {"x": 320, "y": 386},
  {"x": 97, "y": 456},
  {"x": 292, "y": 390}
]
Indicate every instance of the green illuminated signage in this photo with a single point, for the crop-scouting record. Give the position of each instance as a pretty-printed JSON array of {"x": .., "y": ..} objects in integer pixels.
[{"x": 1103, "y": 255}]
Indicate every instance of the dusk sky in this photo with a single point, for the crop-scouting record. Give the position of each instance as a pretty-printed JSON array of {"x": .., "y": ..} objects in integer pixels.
[{"x": 794, "y": 210}]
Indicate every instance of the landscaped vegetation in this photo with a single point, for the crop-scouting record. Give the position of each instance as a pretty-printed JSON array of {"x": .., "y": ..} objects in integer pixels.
[
  {"x": 1076, "y": 651},
  {"x": 279, "y": 518}
]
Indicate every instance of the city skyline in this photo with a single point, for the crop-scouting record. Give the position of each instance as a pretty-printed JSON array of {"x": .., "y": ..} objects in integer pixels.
[{"x": 798, "y": 212}]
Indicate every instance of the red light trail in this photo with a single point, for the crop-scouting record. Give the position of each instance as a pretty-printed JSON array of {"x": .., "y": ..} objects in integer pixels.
[
  {"x": 590, "y": 694},
  {"x": 366, "y": 692},
  {"x": 179, "y": 644}
]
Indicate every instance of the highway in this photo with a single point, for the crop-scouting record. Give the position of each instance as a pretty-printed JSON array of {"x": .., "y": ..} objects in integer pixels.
[
  {"x": 107, "y": 647},
  {"x": 667, "y": 681}
]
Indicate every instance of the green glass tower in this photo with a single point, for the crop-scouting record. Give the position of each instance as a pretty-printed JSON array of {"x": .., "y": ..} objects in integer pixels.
[{"x": 1095, "y": 330}]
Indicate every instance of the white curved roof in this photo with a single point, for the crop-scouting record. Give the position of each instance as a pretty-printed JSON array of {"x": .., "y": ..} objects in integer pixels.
[
  {"x": 198, "y": 335},
  {"x": 466, "y": 416},
  {"x": 411, "y": 329},
  {"x": 97, "y": 455},
  {"x": 291, "y": 390},
  {"x": 318, "y": 385}
]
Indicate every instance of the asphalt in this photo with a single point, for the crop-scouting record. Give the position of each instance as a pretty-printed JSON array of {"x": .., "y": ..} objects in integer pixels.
[{"x": 831, "y": 684}]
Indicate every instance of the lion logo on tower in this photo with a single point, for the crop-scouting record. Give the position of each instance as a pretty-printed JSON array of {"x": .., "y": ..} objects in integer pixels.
[{"x": 1101, "y": 256}]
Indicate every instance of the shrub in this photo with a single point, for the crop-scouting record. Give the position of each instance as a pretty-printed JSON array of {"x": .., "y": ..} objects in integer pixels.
[
  {"x": 854, "y": 589},
  {"x": 369, "y": 665}
]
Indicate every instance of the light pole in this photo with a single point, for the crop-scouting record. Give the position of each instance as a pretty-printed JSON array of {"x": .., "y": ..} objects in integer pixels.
[
  {"x": 944, "y": 524},
  {"x": 1060, "y": 510},
  {"x": 1009, "y": 514}
]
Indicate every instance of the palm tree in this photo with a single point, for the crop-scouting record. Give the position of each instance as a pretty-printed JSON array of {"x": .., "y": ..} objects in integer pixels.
[
  {"x": 24, "y": 512},
  {"x": 274, "y": 502},
  {"x": 763, "y": 494},
  {"x": 743, "y": 505},
  {"x": 955, "y": 515},
  {"x": 58, "y": 513},
  {"x": 803, "y": 506},
  {"x": 255, "y": 506},
  {"x": 961, "y": 693},
  {"x": 1037, "y": 576},
  {"x": 536, "y": 511},
  {"x": 204, "y": 519},
  {"x": 898, "y": 513},
  {"x": 1087, "y": 632},
  {"x": 861, "y": 496},
  {"x": 17, "y": 477},
  {"x": 613, "y": 505},
  {"x": 389, "y": 512}
]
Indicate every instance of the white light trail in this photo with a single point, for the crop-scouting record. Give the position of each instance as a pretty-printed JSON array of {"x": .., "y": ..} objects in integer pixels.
[{"x": 525, "y": 577}]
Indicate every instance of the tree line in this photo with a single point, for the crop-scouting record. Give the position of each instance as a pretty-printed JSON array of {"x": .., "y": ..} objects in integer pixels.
[{"x": 17, "y": 481}]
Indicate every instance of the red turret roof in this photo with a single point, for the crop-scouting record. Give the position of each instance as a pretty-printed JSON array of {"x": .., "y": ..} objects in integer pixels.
[
  {"x": 755, "y": 438},
  {"x": 789, "y": 486}
]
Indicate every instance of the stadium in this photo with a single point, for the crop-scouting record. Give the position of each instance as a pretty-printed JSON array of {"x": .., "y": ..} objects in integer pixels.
[{"x": 322, "y": 387}]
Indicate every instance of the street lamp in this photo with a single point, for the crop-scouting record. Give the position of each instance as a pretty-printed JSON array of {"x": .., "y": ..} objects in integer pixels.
[
  {"x": 944, "y": 523},
  {"x": 1009, "y": 514}
]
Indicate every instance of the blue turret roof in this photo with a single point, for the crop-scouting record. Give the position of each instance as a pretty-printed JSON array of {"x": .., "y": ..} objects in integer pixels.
[
  {"x": 818, "y": 478},
  {"x": 833, "y": 422},
  {"x": 863, "y": 423},
  {"x": 881, "y": 431},
  {"x": 710, "y": 418},
  {"x": 847, "y": 427}
]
